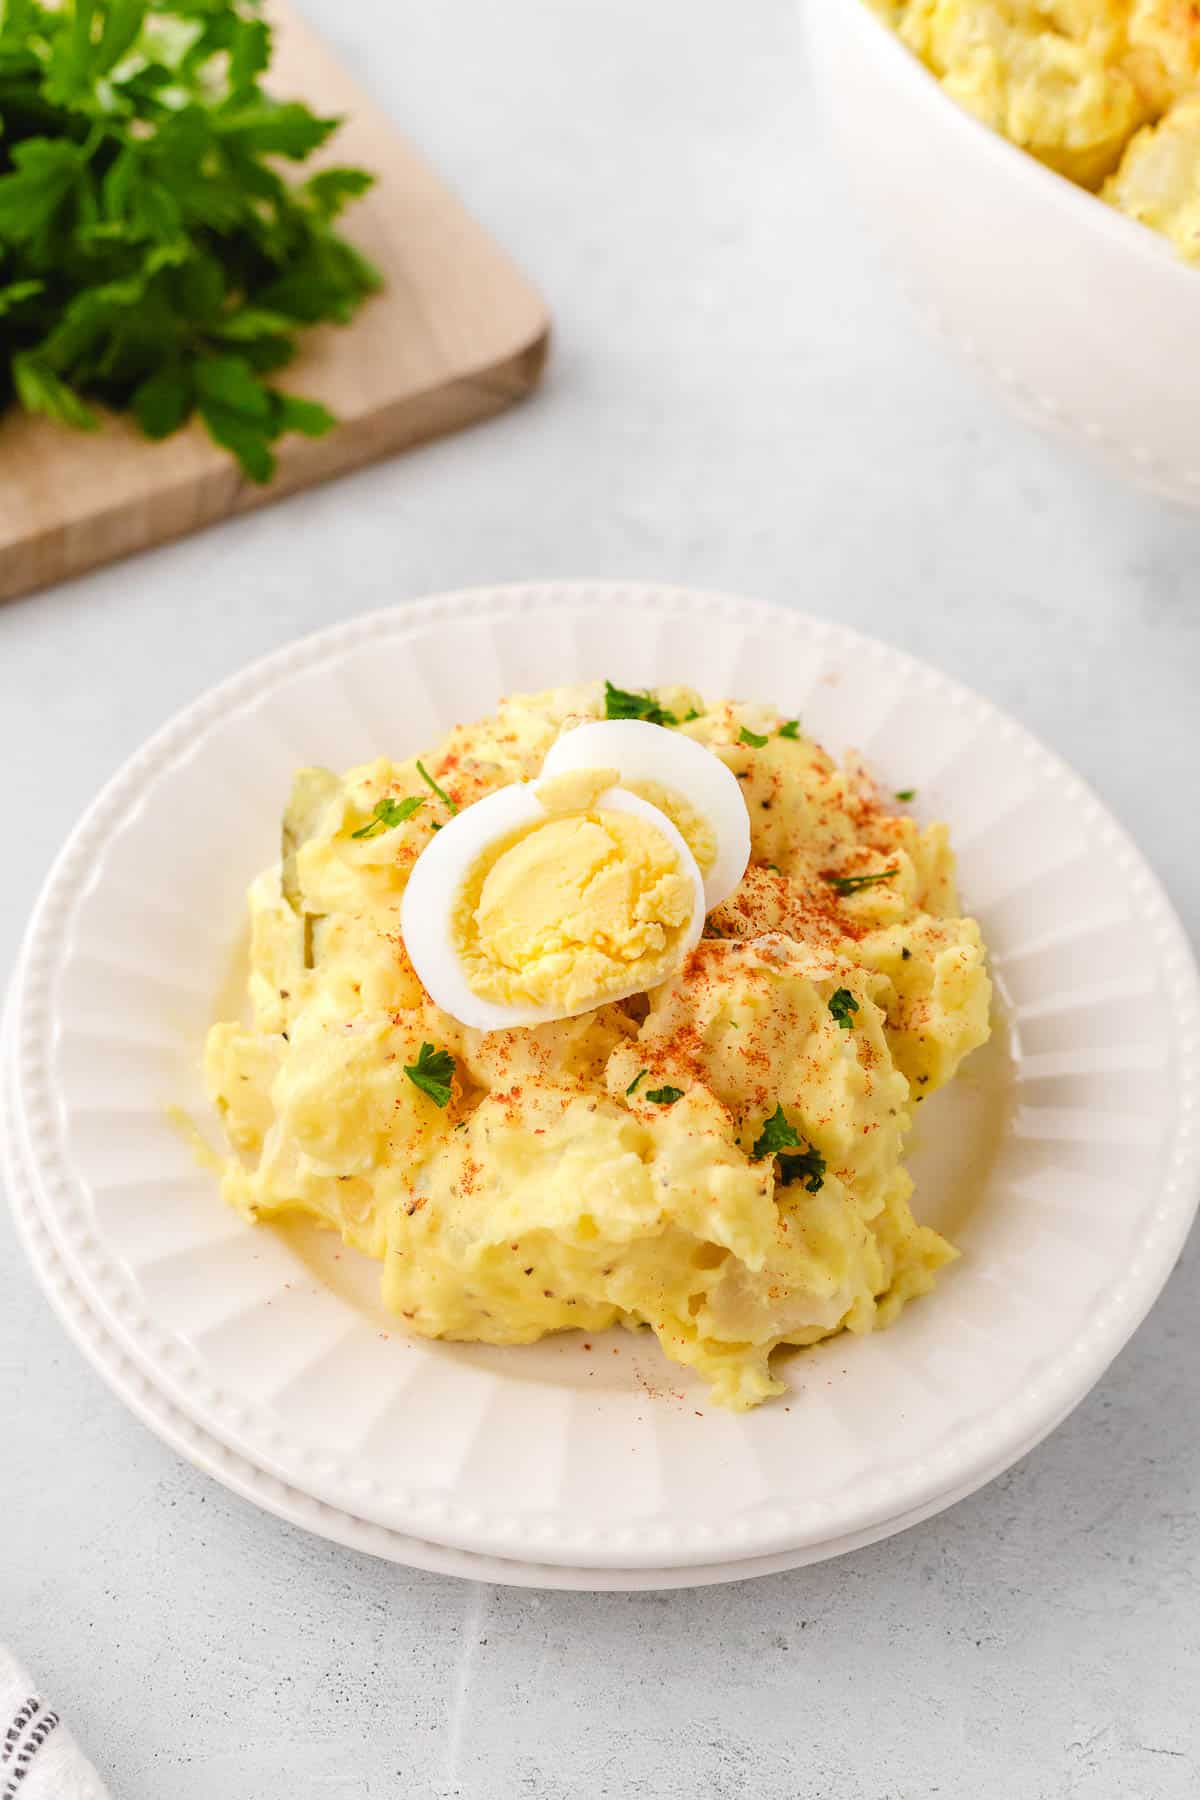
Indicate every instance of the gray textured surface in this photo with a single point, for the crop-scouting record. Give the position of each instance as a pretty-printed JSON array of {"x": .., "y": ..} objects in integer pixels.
[{"x": 738, "y": 398}]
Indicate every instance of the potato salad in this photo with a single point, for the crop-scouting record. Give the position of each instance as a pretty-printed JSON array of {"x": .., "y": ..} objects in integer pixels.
[{"x": 612, "y": 1008}]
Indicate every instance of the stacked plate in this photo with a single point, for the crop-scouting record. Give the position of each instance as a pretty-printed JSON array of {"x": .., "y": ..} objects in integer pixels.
[{"x": 1063, "y": 1162}]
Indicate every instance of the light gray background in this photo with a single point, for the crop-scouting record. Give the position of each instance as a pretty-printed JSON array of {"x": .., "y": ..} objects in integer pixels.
[{"x": 738, "y": 398}]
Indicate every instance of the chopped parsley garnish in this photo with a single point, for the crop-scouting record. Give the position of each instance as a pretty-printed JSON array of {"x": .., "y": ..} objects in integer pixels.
[
  {"x": 746, "y": 736},
  {"x": 692, "y": 713},
  {"x": 621, "y": 703},
  {"x": 441, "y": 793},
  {"x": 843, "y": 1005},
  {"x": 664, "y": 1096},
  {"x": 636, "y": 1082},
  {"x": 905, "y": 953},
  {"x": 779, "y": 1136},
  {"x": 388, "y": 813},
  {"x": 432, "y": 1072},
  {"x": 904, "y": 795},
  {"x": 851, "y": 884},
  {"x": 791, "y": 729},
  {"x": 808, "y": 1167}
]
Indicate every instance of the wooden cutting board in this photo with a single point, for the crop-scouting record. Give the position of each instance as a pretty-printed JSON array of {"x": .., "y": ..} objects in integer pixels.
[{"x": 457, "y": 334}]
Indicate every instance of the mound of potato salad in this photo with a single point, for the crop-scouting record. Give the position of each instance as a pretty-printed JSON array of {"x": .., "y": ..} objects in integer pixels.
[{"x": 614, "y": 1007}]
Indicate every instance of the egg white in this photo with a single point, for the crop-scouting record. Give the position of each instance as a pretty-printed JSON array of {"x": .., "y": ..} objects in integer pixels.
[
  {"x": 427, "y": 909},
  {"x": 643, "y": 752}
]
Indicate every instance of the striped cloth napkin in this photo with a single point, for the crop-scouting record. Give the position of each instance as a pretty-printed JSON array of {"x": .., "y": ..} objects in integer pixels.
[{"x": 39, "y": 1759}]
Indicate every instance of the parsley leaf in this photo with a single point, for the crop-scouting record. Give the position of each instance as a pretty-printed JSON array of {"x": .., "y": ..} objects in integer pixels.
[
  {"x": 636, "y": 1082},
  {"x": 40, "y": 390},
  {"x": 249, "y": 53},
  {"x": 904, "y": 795},
  {"x": 664, "y": 1096},
  {"x": 777, "y": 1134},
  {"x": 432, "y": 1072},
  {"x": 441, "y": 793},
  {"x": 843, "y": 1006},
  {"x": 746, "y": 736},
  {"x": 692, "y": 713},
  {"x": 621, "y": 703},
  {"x": 790, "y": 730},
  {"x": 162, "y": 402},
  {"x": 229, "y": 381},
  {"x": 389, "y": 812},
  {"x": 154, "y": 259},
  {"x": 19, "y": 293},
  {"x": 308, "y": 417},
  {"x": 39, "y": 190},
  {"x": 851, "y": 884},
  {"x": 809, "y": 1168},
  {"x": 273, "y": 128},
  {"x": 244, "y": 437},
  {"x": 778, "y": 1137},
  {"x": 333, "y": 189}
]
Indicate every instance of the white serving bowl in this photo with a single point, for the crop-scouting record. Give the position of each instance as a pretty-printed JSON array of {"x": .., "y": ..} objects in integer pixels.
[{"x": 1086, "y": 320}]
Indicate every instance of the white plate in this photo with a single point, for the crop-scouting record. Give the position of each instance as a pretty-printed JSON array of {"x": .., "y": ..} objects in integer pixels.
[{"x": 1063, "y": 1162}]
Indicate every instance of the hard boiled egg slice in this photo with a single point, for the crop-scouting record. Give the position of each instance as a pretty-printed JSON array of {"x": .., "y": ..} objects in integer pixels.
[
  {"x": 681, "y": 778},
  {"x": 542, "y": 902}
]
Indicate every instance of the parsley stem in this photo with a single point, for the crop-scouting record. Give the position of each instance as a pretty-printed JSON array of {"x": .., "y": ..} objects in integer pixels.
[
  {"x": 441, "y": 793},
  {"x": 851, "y": 884}
]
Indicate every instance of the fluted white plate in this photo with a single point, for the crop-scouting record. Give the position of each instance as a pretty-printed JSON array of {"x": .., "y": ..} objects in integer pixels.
[{"x": 1063, "y": 1162}]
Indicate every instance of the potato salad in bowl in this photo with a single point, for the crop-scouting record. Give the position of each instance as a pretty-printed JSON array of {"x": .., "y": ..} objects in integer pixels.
[
  {"x": 613, "y": 1008},
  {"x": 1032, "y": 175},
  {"x": 1106, "y": 92}
]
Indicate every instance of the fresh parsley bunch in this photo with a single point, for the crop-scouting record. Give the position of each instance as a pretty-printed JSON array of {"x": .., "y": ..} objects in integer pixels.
[{"x": 152, "y": 256}]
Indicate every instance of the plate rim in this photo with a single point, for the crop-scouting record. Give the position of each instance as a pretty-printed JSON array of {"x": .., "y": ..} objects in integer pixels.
[{"x": 1075, "y": 1369}]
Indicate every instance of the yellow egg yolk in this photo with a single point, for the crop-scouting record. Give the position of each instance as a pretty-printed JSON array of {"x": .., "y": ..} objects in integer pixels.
[
  {"x": 691, "y": 825},
  {"x": 577, "y": 909}
]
